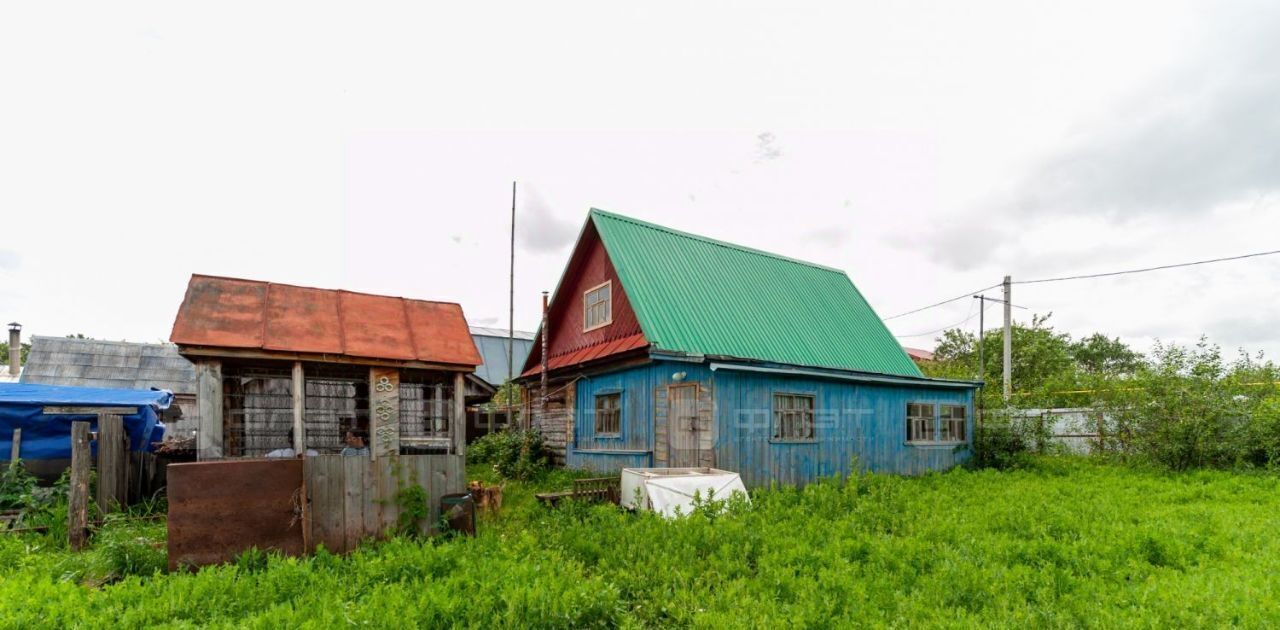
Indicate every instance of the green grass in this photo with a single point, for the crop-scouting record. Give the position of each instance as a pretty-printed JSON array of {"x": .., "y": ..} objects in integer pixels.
[{"x": 1066, "y": 543}]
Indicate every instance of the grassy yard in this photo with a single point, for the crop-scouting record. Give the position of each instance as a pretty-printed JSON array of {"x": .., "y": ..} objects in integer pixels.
[{"x": 1065, "y": 544}]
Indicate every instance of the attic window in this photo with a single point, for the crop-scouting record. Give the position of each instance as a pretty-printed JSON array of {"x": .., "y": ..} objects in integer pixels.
[{"x": 597, "y": 306}]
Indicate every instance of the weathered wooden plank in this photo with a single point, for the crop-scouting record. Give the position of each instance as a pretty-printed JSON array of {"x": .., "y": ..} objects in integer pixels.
[
  {"x": 78, "y": 492},
  {"x": 372, "y": 519},
  {"x": 15, "y": 449},
  {"x": 458, "y": 423},
  {"x": 422, "y": 466},
  {"x": 299, "y": 386},
  {"x": 386, "y": 504},
  {"x": 328, "y": 501},
  {"x": 89, "y": 411},
  {"x": 353, "y": 473},
  {"x": 384, "y": 406},
  {"x": 209, "y": 409},
  {"x": 113, "y": 475}
]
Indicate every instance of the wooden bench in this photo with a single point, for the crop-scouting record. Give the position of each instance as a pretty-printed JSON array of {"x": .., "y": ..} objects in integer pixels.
[{"x": 598, "y": 489}]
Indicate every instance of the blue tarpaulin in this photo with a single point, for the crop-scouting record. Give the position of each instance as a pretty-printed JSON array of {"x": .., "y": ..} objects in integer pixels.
[{"x": 48, "y": 436}]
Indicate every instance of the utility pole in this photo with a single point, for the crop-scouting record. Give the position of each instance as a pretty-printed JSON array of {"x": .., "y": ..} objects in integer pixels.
[
  {"x": 1008, "y": 338},
  {"x": 982, "y": 328},
  {"x": 511, "y": 313},
  {"x": 542, "y": 396}
]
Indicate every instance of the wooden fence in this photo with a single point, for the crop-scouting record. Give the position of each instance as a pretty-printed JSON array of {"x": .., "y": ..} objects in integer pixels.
[
  {"x": 219, "y": 509},
  {"x": 352, "y": 498}
]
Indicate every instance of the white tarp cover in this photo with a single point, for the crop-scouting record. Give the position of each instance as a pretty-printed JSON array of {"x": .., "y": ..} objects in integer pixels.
[{"x": 666, "y": 494}]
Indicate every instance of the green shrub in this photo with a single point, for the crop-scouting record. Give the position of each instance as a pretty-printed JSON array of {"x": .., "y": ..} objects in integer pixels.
[
  {"x": 1006, "y": 440},
  {"x": 514, "y": 454}
]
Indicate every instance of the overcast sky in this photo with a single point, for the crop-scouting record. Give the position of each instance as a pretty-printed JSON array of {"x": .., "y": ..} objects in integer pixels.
[{"x": 928, "y": 148}]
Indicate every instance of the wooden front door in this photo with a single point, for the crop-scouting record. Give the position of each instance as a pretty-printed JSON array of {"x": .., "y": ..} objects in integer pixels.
[{"x": 686, "y": 432}]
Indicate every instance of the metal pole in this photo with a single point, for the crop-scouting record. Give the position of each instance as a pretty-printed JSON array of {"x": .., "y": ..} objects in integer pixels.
[
  {"x": 511, "y": 312},
  {"x": 1008, "y": 338},
  {"x": 542, "y": 398},
  {"x": 982, "y": 327}
]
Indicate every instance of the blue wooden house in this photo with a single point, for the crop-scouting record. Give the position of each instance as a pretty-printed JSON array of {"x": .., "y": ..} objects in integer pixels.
[{"x": 667, "y": 349}]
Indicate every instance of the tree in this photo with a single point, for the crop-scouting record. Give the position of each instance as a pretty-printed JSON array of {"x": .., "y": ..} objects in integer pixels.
[
  {"x": 1098, "y": 354},
  {"x": 4, "y": 353}
]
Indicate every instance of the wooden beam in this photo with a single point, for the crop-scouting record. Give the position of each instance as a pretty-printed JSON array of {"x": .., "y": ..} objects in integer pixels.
[
  {"x": 299, "y": 409},
  {"x": 78, "y": 491},
  {"x": 90, "y": 411},
  {"x": 113, "y": 463},
  {"x": 384, "y": 407},
  {"x": 209, "y": 438},
  {"x": 459, "y": 423},
  {"x": 15, "y": 450}
]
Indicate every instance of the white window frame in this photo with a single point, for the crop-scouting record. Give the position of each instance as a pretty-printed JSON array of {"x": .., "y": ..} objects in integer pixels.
[
  {"x": 917, "y": 422},
  {"x": 586, "y": 307},
  {"x": 947, "y": 424}
]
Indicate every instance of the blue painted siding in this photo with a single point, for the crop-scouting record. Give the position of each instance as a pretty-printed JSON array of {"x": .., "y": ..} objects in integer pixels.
[{"x": 858, "y": 426}]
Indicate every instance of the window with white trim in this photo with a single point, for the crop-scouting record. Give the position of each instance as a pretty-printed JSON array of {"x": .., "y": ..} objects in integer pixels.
[
  {"x": 609, "y": 414},
  {"x": 951, "y": 426},
  {"x": 793, "y": 417},
  {"x": 920, "y": 422},
  {"x": 597, "y": 306}
]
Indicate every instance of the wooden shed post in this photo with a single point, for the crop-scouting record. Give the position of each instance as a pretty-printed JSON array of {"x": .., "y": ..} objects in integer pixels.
[
  {"x": 384, "y": 404},
  {"x": 78, "y": 491},
  {"x": 209, "y": 438},
  {"x": 15, "y": 450},
  {"x": 113, "y": 462},
  {"x": 459, "y": 421},
  {"x": 299, "y": 409}
]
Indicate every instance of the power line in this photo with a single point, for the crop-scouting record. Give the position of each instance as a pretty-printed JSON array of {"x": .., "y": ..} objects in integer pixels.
[
  {"x": 1146, "y": 269},
  {"x": 925, "y": 308},
  {"x": 963, "y": 321}
]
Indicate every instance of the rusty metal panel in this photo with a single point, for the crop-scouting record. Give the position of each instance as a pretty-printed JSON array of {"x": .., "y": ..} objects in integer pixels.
[
  {"x": 300, "y": 319},
  {"x": 440, "y": 333},
  {"x": 221, "y": 312},
  {"x": 219, "y": 509},
  {"x": 233, "y": 313},
  {"x": 376, "y": 326}
]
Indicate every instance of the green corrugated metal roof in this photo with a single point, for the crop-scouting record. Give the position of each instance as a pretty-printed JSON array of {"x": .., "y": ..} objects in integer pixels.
[{"x": 697, "y": 295}]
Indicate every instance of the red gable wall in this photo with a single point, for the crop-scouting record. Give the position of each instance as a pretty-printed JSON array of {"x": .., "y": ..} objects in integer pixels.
[{"x": 588, "y": 267}]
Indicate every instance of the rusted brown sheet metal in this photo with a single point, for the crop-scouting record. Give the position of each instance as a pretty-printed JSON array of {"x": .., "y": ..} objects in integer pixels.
[
  {"x": 221, "y": 312},
  {"x": 377, "y": 326},
  {"x": 232, "y": 313},
  {"x": 219, "y": 509},
  {"x": 300, "y": 319},
  {"x": 440, "y": 329}
]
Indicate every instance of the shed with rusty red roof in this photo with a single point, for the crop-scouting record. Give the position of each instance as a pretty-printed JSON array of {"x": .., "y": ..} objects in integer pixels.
[{"x": 290, "y": 369}]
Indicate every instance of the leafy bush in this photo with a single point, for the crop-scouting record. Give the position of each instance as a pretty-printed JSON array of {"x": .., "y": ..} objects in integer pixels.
[
  {"x": 16, "y": 487},
  {"x": 1190, "y": 409},
  {"x": 1006, "y": 440},
  {"x": 514, "y": 454}
]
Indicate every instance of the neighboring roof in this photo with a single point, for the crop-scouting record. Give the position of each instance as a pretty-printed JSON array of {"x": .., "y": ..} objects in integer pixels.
[
  {"x": 110, "y": 364},
  {"x": 250, "y": 314},
  {"x": 492, "y": 344},
  {"x": 27, "y": 393},
  {"x": 917, "y": 354},
  {"x": 696, "y": 295},
  {"x": 482, "y": 331},
  {"x": 6, "y": 377}
]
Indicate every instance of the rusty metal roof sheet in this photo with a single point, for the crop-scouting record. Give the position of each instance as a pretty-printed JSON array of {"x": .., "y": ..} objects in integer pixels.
[{"x": 251, "y": 314}]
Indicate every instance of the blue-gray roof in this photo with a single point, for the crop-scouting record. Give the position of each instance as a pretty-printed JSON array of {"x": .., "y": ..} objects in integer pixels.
[
  {"x": 492, "y": 344},
  {"x": 108, "y": 364}
]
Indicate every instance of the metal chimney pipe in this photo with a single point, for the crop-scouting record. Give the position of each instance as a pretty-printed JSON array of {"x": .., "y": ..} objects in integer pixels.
[{"x": 15, "y": 349}]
